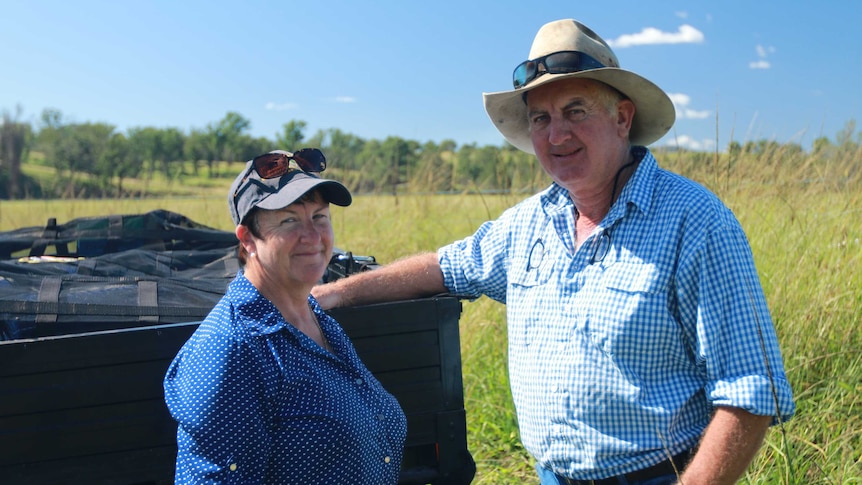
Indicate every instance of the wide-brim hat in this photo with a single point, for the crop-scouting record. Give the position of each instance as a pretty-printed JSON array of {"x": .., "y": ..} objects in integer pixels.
[
  {"x": 248, "y": 191},
  {"x": 654, "y": 111}
]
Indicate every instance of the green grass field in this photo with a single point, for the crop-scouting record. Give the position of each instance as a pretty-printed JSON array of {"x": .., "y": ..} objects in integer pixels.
[{"x": 802, "y": 219}]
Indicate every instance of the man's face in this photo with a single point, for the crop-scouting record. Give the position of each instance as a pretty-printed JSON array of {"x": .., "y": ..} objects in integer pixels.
[{"x": 579, "y": 129}]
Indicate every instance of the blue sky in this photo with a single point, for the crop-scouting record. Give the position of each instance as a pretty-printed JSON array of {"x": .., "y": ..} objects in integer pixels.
[{"x": 787, "y": 71}]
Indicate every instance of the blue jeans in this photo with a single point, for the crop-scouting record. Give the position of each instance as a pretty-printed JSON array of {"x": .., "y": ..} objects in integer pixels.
[{"x": 547, "y": 477}]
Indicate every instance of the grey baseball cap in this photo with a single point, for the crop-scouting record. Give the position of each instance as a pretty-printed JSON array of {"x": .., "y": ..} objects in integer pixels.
[{"x": 249, "y": 190}]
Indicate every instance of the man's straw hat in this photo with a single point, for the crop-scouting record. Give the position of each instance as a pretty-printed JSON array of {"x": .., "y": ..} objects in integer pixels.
[{"x": 654, "y": 113}]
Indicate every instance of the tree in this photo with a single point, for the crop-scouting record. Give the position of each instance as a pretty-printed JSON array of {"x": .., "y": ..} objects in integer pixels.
[
  {"x": 291, "y": 135},
  {"x": 72, "y": 148},
  {"x": 399, "y": 156},
  {"x": 249, "y": 147},
  {"x": 172, "y": 141},
  {"x": 342, "y": 149},
  {"x": 14, "y": 145},
  {"x": 225, "y": 139},
  {"x": 734, "y": 148},
  {"x": 116, "y": 161},
  {"x": 147, "y": 144},
  {"x": 229, "y": 133},
  {"x": 200, "y": 146}
]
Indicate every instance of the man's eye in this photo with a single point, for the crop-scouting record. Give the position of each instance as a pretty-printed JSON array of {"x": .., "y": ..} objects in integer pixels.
[
  {"x": 538, "y": 119},
  {"x": 577, "y": 114}
]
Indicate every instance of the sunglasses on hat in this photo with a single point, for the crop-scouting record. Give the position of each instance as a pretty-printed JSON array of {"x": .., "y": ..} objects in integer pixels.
[
  {"x": 272, "y": 165},
  {"x": 562, "y": 62},
  {"x": 275, "y": 164}
]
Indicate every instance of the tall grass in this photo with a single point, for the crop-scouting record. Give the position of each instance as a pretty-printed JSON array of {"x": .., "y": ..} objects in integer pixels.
[{"x": 801, "y": 215}]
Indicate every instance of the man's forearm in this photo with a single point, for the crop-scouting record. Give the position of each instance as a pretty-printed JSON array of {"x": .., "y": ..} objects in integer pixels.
[
  {"x": 412, "y": 277},
  {"x": 728, "y": 445}
]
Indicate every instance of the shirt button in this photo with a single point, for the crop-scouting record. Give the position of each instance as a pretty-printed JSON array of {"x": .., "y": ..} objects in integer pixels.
[
  {"x": 232, "y": 467},
  {"x": 387, "y": 459},
  {"x": 381, "y": 417},
  {"x": 358, "y": 381}
]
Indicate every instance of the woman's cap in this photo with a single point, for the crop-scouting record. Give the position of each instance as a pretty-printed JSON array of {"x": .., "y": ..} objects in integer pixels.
[{"x": 250, "y": 190}]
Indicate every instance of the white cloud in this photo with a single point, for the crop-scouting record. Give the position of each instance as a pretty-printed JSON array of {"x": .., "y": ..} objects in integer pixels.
[
  {"x": 762, "y": 53},
  {"x": 279, "y": 106},
  {"x": 687, "y": 142},
  {"x": 761, "y": 64},
  {"x": 650, "y": 36},
  {"x": 682, "y": 15},
  {"x": 344, "y": 99},
  {"x": 694, "y": 114},
  {"x": 680, "y": 103},
  {"x": 679, "y": 98}
]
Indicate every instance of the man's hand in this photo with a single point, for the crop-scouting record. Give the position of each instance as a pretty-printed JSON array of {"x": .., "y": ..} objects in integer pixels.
[
  {"x": 728, "y": 445},
  {"x": 413, "y": 277}
]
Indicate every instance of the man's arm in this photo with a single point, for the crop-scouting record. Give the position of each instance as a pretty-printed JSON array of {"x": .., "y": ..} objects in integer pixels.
[
  {"x": 412, "y": 277},
  {"x": 728, "y": 445}
]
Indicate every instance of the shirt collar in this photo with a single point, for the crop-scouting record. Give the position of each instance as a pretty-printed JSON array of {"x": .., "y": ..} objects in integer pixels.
[
  {"x": 638, "y": 191},
  {"x": 259, "y": 313}
]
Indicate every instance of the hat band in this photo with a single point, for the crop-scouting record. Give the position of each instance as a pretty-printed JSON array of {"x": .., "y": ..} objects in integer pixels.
[{"x": 561, "y": 62}]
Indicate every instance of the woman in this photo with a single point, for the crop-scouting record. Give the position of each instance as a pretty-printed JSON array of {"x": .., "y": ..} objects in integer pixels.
[{"x": 269, "y": 389}]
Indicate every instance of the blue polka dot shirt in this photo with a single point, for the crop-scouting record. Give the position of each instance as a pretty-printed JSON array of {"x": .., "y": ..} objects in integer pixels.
[
  {"x": 258, "y": 401},
  {"x": 620, "y": 348}
]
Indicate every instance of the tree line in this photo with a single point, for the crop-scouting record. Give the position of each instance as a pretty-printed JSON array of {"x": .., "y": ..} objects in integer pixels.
[{"x": 108, "y": 157}]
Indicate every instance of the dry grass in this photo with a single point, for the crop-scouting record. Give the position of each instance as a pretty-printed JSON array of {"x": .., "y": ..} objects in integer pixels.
[{"x": 801, "y": 214}]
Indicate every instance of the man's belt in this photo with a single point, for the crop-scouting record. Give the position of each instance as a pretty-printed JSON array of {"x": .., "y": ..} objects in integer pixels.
[{"x": 664, "y": 468}]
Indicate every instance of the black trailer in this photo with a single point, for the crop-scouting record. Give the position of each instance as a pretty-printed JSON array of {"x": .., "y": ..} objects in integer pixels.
[{"x": 93, "y": 311}]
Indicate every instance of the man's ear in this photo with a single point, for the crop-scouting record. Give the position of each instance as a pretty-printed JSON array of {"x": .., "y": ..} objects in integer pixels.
[{"x": 625, "y": 114}]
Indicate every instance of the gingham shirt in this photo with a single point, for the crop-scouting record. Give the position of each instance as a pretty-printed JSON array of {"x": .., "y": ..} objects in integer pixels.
[
  {"x": 623, "y": 346},
  {"x": 258, "y": 401}
]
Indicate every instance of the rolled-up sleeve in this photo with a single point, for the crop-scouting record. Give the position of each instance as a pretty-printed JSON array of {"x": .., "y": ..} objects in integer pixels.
[{"x": 736, "y": 340}]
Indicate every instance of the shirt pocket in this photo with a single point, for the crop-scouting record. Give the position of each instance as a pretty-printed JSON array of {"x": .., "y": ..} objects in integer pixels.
[
  {"x": 630, "y": 321},
  {"x": 528, "y": 297},
  {"x": 633, "y": 278}
]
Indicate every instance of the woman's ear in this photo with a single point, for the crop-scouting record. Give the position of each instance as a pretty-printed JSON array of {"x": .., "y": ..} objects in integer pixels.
[{"x": 245, "y": 238}]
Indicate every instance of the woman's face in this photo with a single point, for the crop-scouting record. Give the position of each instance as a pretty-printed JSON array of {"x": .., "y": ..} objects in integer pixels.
[{"x": 294, "y": 246}]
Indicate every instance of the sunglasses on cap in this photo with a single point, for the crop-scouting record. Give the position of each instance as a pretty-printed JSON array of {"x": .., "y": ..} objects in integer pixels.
[
  {"x": 276, "y": 164},
  {"x": 273, "y": 165},
  {"x": 562, "y": 62}
]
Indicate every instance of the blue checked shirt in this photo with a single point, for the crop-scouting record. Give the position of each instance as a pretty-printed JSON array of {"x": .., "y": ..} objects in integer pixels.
[
  {"x": 257, "y": 401},
  {"x": 620, "y": 349}
]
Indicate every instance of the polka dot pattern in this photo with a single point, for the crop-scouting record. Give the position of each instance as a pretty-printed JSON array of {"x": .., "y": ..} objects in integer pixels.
[{"x": 258, "y": 401}]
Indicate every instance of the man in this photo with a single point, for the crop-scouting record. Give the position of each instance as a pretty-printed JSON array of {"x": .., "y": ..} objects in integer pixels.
[{"x": 641, "y": 349}]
